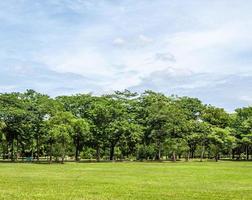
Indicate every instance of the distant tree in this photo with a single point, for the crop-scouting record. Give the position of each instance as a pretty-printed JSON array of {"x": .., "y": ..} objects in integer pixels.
[
  {"x": 220, "y": 140},
  {"x": 198, "y": 136},
  {"x": 154, "y": 113},
  {"x": 15, "y": 118},
  {"x": 80, "y": 134},
  {"x": 40, "y": 107},
  {"x": 121, "y": 125},
  {"x": 193, "y": 107},
  {"x": 241, "y": 123},
  {"x": 247, "y": 136},
  {"x": 165, "y": 119},
  {"x": 216, "y": 116},
  {"x": 60, "y": 131},
  {"x": 175, "y": 146}
]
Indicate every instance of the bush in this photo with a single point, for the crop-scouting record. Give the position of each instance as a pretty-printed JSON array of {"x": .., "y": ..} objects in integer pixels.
[{"x": 146, "y": 152}]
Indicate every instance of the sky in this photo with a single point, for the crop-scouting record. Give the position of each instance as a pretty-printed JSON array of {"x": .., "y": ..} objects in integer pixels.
[{"x": 197, "y": 48}]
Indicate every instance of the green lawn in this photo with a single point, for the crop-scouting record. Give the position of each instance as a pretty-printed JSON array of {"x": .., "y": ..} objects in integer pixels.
[{"x": 185, "y": 181}]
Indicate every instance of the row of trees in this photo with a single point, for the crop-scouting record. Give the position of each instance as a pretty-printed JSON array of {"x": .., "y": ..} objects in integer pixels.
[{"x": 123, "y": 125}]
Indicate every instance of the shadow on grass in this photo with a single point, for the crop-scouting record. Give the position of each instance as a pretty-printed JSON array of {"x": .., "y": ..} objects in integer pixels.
[{"x": 46, "y": 162}]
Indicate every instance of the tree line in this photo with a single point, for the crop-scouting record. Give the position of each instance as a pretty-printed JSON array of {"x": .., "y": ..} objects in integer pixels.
[{"x": 120, "y": 126}]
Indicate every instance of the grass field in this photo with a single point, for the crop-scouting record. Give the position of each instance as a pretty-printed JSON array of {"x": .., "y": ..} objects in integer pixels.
[{"x": 185, "y": 181}]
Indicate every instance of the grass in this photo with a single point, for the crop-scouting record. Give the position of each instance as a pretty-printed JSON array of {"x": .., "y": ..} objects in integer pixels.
[{"x": 143, "y": 181}]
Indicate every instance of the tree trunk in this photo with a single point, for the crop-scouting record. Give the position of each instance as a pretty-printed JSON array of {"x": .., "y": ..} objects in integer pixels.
[
  {"x": 158, "y": 156},
  {"x": 202, "y": 153},
  {"x": 62, "y": 159},
  {"x": 77, "y": 147},
  {"x": 3, "y": 150},
  {"x": 217, "y": 157},
  {"x": 174, "y": 156},
  {"x": 7, "y": 149},
  {"x": 38, "y": 149},
  {"x": 50, "y": 159},
  {"x": 112, "y": 151},
  {"x": 192, "y": 154},
  {"x": 233, "y": 154},
  {"x": 187, "y": 156},
  {"x": 17, "y": 155},
  {"x": 23, "y": 152},
  {"x": 98, "y": 158},
  {"x": 63, "y": 153},
  {"x": 159, "y": 152},
  {"x": 77, "y": 155},
  {"x": 247, "y": 153},
  {"x": 12, "y": 150},
  {"x": 32, "y": 154}
]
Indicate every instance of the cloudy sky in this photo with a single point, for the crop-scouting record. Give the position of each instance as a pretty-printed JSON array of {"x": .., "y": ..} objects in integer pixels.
[{"x": 200, "y": 48}]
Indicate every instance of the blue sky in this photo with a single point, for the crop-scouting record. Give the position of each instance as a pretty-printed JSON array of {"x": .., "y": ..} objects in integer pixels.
[{"x": 199, "y": 48}]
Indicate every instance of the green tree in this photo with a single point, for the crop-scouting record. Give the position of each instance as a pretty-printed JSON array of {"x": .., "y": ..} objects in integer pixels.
[
  {"x": 15, "y": 117},
  {"x": 80, "y": 135},
  {"x": 221, "y": 140},
  {"x": 60, "y": 131},
  {"x": 198, "y": 136},
  {"x": 61, "y": 135},
  {"x": 216, "y": 116},
  {"x": 241, "y": 123},
  {"x": 40, "y": 107},
  {"x": 247, "y": 136}
]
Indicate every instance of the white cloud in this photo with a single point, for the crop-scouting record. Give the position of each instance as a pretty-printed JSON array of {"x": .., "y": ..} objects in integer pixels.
[
  {"x": 211, "y": 50},
  {"x": 220, "y": 90},
  {"x": 165, "y": 57},
  {"x": 144, "y": 40},
  {"x": 80, "y": 61},
  {"x": 246, "y": 98},
  {"x": 119, "y": 41}
]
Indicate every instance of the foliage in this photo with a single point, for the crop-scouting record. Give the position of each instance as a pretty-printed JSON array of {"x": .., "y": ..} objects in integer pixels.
[{"x": 122, "y": 125}]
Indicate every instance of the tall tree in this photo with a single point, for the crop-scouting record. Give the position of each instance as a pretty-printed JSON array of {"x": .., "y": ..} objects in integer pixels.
[
  {"x": 80, "y": 135},
  {"x": 60, "y": 130},
  {"x": 221, "y": 140},
  {"x": 241, "y": 121},
  {"x": 40, "y": 107},
  {"x": 15, "y": 117}
]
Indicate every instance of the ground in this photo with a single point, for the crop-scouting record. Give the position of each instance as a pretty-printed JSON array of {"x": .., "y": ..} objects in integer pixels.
[{"x": 143, "y": 181}]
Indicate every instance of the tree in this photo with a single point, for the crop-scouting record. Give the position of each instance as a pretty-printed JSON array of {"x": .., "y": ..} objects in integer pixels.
[
  {"x": 176, "y": 146},
  {"x": 247, "y": 135},
  {"x": 15, "y": 117},
  {"x": 120, "y": 118},
  {"x": 40, "y": 107},
  {"x": 192, "y": 107},
  {"x": 131, "y": 137},
  {"x": 120, "y": 125},
  {"x": 198, "y": 136},
  {"x": 61, "y": 135},
  {"x": 2, "y": 136},
  {"x": 100, "y": 118},
  {"x": 80, "y": 134},
  {"x": 60, "y": 130},
  {"x": 241, "y": 123},
  {"x": 216, "y": 116},
  {"x": 221, "y": 140},
  {"x": 164, "y": 119},
  {"x": 127, "y": 121},
  {"x": 155, "y": 118}
]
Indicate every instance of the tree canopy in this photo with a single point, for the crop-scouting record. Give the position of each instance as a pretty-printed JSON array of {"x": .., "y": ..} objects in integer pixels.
[{"x": 122, "y": 125}]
